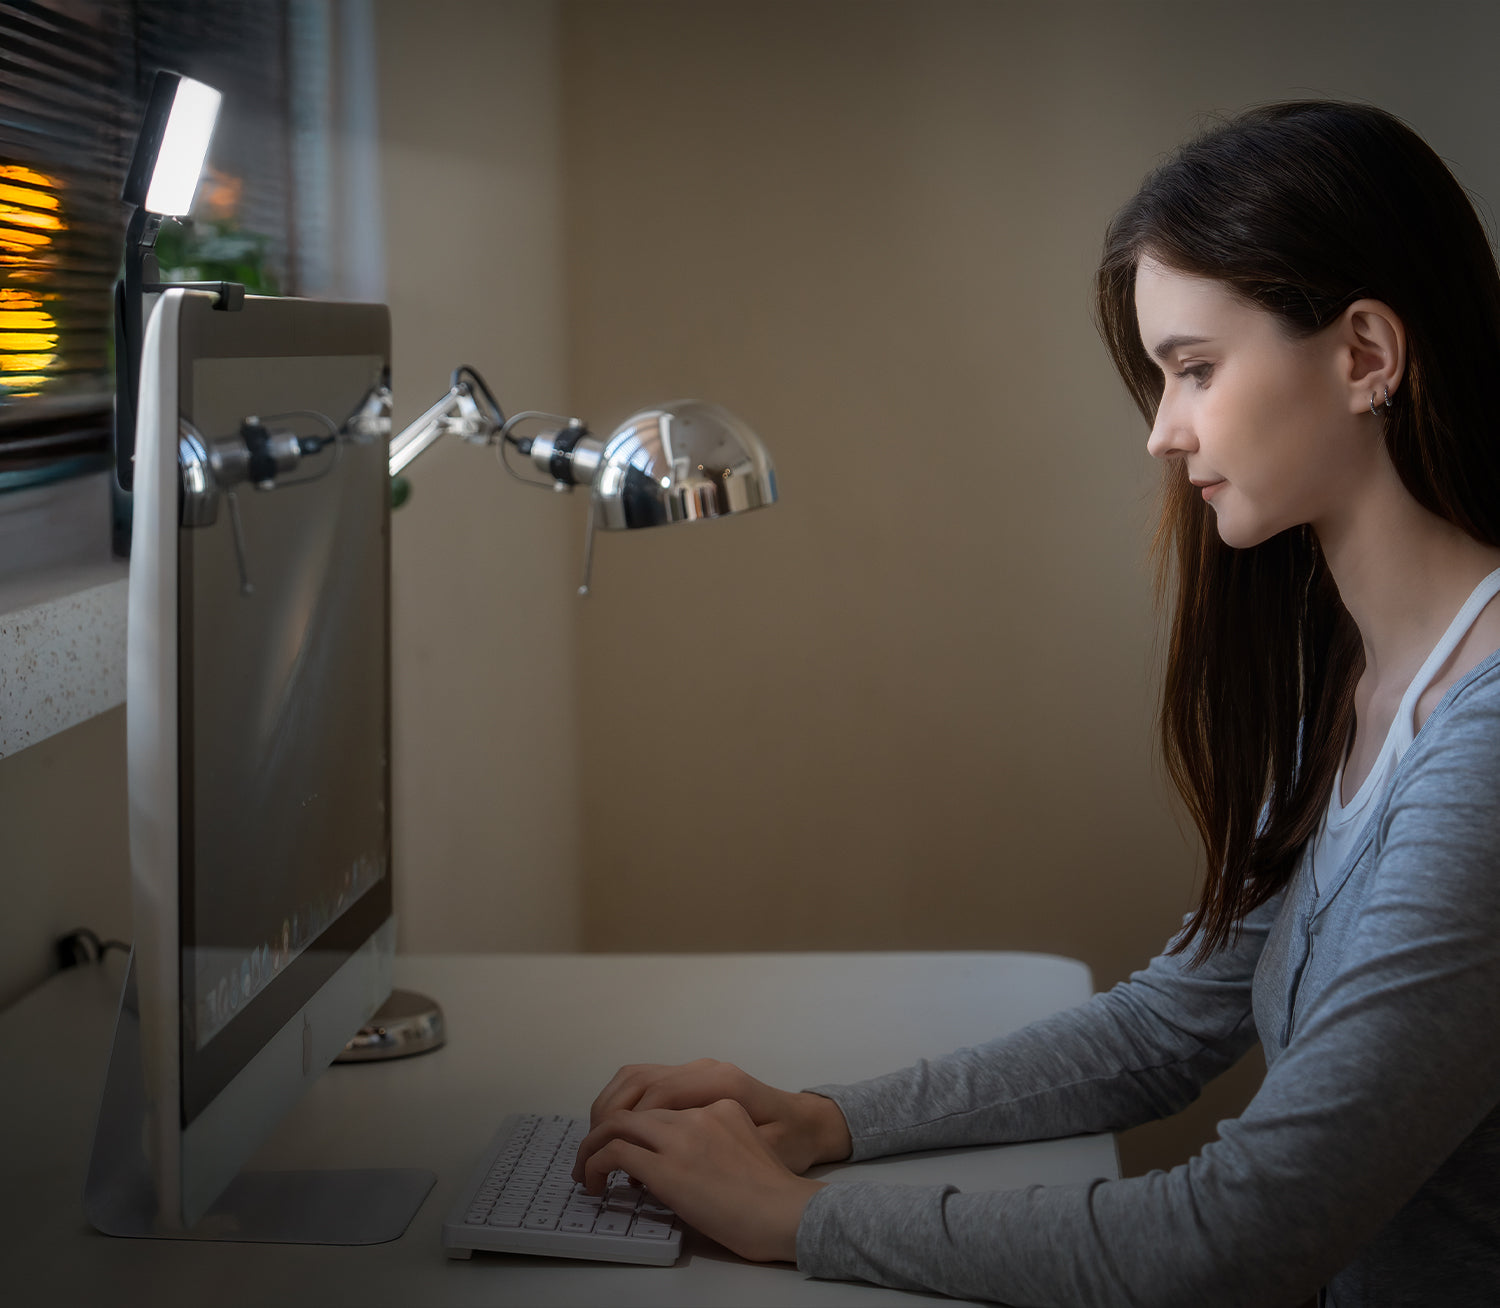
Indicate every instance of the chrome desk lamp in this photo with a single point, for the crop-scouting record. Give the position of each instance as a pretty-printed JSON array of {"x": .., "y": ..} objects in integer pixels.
[{"x": 676, "y": 462}]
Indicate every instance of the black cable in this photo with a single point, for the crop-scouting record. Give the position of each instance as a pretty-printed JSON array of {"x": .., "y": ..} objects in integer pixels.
[
  {"x": 84, "y": 946},
  {"x": 523, "y": 444},
  {"x": 462, "y": 371}
]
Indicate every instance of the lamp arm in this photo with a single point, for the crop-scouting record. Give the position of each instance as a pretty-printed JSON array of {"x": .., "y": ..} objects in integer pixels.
[
  {"x": 569, "y": 456},
  {"x": 455, "y": 414}
]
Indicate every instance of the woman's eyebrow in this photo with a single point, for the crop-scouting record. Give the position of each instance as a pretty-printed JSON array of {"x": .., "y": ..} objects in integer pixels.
[{"x": 1164, "y": 350}]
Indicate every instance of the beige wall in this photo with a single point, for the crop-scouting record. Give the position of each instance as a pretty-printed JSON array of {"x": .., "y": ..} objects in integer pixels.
[
  {"x": 911, "y": 706},
  {"x": 64, "y": 851},
  {"x": 485, "y": 731}
]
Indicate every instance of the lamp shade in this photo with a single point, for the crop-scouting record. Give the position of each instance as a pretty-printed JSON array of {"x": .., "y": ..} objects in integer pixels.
[{"x": 677, "y": 463}]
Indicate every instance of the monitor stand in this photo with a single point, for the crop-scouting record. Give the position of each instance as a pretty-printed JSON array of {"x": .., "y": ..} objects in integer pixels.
[{"x": 357, "y": 1206}]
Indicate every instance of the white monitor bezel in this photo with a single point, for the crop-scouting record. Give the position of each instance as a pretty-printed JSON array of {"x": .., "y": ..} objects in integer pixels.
[{"x": 192, "y": 1165}]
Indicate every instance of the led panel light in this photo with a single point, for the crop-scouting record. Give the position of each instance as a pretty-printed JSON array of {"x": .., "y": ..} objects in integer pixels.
[{"x": 184, "y": 147}]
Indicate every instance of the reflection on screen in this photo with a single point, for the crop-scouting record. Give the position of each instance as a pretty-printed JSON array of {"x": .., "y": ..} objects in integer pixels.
[
  {"x": 227, "y": 979},
  {"x": 284, "y": 741}
]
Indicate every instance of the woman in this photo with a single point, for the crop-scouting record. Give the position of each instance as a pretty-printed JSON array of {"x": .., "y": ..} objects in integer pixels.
[{"x": 1306, "y": 310}]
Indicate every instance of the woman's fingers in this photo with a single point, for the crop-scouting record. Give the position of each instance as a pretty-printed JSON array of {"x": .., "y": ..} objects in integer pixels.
[
  {"x": 652, "y": 1129},
  {"x": 623, "y": 1125},
  {"x": 622, "y": 1155},
  {"x": 711, "y": 1167},
  {"x": 789, "y": 1130},
  {"x": 618, "y": 1090},
  {"x": 686, "y": 1085},
  {"x": 631, "y": 1082},
  {"x": 694, "y": 1085}
]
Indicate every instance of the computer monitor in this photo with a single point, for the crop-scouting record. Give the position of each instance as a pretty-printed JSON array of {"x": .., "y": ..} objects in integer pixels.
[{"x": 258, "y": 744}]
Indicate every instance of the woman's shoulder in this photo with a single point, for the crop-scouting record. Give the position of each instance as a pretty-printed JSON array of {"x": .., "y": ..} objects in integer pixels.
[
  {"x": 1471, "y": 698},
  {"x": 1455, "y": 757},
  {"x": 1434, "y": 836},
  {"x": 1479, "y": 646}
]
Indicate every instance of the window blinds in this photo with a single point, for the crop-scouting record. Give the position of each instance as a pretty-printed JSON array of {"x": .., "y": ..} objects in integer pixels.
[
  {"x": 74, "y": 76},
  {"x": 66, "y": 105}
]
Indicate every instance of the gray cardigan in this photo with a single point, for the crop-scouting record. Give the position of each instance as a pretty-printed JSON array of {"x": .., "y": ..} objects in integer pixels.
[{"x": 1368, "y": 1163}]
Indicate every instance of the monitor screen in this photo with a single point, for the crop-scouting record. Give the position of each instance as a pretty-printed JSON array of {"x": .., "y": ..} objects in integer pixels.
[{"x": 283, "y": 719}]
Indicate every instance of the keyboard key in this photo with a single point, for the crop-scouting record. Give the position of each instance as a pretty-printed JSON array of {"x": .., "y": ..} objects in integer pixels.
[
  {"x": 538, "y": 1221},
  {"x": 576, "y": 1222},
  {"x": 498, "y": 1218},
  {"x": 650, "y": 1230},
  {"x": 612, "y": 1223}
]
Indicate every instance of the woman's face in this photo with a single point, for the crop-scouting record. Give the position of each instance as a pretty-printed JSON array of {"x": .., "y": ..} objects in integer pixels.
[{"x": 1260, "y": 419}]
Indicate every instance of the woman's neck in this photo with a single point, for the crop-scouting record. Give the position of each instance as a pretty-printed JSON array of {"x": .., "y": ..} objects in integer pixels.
[{"x": 1402, "y": 572}]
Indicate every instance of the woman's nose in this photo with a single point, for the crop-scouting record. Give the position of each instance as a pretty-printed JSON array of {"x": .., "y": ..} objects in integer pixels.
[{"x": 1170, "y": 434}]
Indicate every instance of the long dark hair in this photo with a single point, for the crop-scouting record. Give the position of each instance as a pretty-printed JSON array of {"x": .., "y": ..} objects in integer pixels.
[{"x": 1300, "y": 209}]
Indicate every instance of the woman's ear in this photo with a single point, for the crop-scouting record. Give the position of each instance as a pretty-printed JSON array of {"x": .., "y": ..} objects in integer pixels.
[{"x": 1374, "y": 353}]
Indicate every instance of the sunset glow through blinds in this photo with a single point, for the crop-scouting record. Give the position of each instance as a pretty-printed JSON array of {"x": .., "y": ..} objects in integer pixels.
[{"x": 31, "y": 217}]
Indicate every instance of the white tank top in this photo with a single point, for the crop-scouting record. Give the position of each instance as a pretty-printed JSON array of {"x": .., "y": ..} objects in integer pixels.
[{"x": 1343, "y": 823}]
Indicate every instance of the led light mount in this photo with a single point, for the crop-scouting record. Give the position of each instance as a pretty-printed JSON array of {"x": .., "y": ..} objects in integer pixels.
[{"x": 165, "y": 169}]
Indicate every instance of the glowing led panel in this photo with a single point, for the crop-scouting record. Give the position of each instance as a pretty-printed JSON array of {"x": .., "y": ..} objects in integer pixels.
[{"x": 184, "y": 146}]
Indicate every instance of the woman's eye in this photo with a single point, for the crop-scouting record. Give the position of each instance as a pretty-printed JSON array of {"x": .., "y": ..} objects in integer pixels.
[{"x": 1199, "y": 372}]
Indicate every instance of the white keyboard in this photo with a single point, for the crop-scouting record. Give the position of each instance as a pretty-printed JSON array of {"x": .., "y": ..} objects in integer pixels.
[{"x": 522, "y": 1199}]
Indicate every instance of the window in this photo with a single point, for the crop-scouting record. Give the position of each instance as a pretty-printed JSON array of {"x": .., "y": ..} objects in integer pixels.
[
  {"x": 74, "y": 76},
  {"x": 65, "y": 97}
]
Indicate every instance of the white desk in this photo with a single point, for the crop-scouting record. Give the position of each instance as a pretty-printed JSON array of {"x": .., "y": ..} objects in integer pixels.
[{"x": 791, "y": 1019}]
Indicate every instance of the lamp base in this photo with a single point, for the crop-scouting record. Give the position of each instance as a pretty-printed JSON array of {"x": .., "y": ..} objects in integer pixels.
[{"x": 407, "y": 1023}]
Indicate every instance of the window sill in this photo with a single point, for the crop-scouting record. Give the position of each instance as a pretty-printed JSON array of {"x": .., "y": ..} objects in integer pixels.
[{"x": 62, "y": 611}]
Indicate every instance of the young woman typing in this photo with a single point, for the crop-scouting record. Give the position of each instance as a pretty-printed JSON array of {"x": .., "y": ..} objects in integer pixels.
[{"x": 1307, "y": 312}]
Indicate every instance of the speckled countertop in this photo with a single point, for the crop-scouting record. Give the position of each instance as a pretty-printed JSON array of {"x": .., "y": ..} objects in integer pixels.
[{"x": 62, "y": 658}]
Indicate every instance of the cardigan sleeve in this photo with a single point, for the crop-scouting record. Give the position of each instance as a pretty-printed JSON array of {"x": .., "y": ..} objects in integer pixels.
[
  {"x": 1386, "y": 1073},
  {"x": 1140, "y": 1051}
]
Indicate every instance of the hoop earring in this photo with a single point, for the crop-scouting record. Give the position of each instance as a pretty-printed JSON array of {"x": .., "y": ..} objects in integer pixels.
[{"x": 1373, "y": 409}]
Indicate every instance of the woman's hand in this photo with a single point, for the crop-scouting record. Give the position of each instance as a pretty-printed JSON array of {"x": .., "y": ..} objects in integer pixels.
[
  {"x": 800, "y": 1129},
  {"x": 711, "y": 1166}
]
